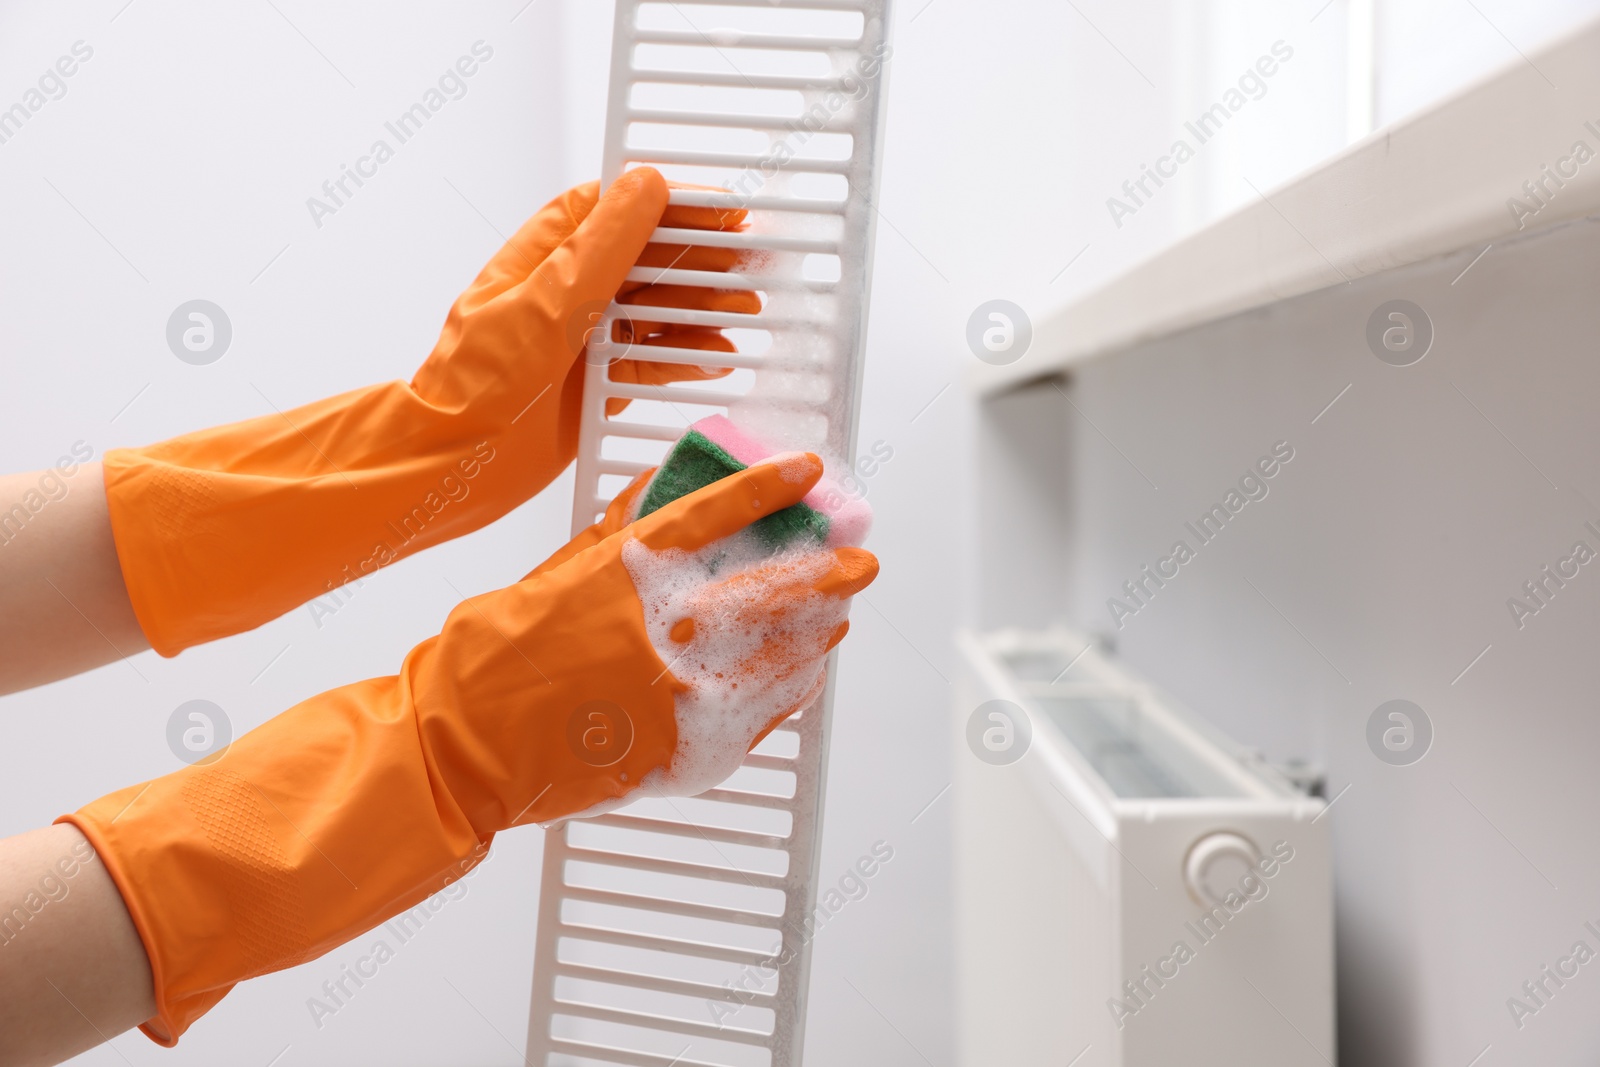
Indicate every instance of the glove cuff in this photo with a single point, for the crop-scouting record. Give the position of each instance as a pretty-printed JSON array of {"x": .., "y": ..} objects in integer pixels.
[
  {"x": 173, "y": 1015},
  {"x": 304, "y": 833},
  {"x": 222, "y": 530}
]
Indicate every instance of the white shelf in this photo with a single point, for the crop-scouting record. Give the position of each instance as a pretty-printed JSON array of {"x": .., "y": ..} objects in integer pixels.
[{"x": 1435, "y": 184}]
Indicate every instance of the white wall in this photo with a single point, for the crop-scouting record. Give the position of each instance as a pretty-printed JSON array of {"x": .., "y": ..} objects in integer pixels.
[{"x": 1425, "y": 49}]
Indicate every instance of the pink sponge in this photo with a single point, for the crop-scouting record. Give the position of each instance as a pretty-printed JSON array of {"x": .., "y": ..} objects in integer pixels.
[{"x": 849, "y": 517}]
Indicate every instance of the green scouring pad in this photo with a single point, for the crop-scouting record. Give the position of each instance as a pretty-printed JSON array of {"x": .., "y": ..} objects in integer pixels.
[{"x": 697, "y": 460}]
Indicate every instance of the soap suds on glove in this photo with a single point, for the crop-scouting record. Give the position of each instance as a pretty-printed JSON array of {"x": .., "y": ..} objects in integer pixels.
[
  {"x": 793, "y": 467},
  {"x": 758, "y": 648}
]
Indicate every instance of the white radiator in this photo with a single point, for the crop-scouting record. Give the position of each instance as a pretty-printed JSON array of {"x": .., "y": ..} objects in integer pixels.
[
  {"x": 1133, "y": 889},
  {"x": 674, "y": 932}
]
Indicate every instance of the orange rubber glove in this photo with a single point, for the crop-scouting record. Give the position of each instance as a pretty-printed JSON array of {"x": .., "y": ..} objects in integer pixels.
[
  {"x": 357, "y": 804},
  {"x": 221, "y": 530}
]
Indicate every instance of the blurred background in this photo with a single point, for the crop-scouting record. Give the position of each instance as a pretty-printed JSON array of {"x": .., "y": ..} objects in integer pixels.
[{"x": 177, "y": 165}]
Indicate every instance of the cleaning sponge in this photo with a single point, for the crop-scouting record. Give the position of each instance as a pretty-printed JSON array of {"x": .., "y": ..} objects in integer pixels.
[{"x": 714, "y": 448}]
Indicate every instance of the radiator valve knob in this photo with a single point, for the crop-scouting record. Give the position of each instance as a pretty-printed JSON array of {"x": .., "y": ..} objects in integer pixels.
[{"x": 1216, "y": 865}]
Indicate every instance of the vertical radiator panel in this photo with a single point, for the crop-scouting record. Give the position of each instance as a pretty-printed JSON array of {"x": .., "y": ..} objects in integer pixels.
[{"x": 676, "y": 931}]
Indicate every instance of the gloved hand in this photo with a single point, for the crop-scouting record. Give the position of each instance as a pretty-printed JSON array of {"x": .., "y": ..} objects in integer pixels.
[
  {"x": 221, "y": 530},
  {"x": 357, "y": 804}
]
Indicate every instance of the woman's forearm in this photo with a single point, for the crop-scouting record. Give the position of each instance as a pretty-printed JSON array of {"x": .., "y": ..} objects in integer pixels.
[
  {"x": 63, "y": 605},
  {"x": 73, "y": 972}
]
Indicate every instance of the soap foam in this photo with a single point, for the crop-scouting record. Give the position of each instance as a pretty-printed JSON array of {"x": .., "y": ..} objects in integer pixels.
[
  {"x": 758, "y": 649},
  {"x": 793, "y": 467},
  {"x": 744, "y": 666}
]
